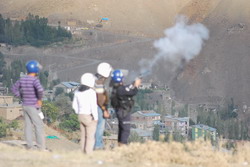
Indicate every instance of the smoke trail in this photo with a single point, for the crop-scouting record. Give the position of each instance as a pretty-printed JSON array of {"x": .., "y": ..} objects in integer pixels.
[{"x": 181, "y": 43}]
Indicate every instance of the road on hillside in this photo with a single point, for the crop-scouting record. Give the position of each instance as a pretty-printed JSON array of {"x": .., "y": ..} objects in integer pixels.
[{"x": 69, "y": 63}]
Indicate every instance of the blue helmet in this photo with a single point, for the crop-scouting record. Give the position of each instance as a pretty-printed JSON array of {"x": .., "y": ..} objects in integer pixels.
[
  {"x": 117, "y": 76},
  {"x": 33, "y": 66}
]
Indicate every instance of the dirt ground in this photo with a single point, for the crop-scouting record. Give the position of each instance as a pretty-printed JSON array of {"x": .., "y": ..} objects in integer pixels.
[
  {"x": 64, "y": 153},
  {"x": 55, "y": 141}
]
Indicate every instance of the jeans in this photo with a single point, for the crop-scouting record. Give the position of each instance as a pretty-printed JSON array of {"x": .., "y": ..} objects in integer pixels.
[{"x": 99, "y": 130}]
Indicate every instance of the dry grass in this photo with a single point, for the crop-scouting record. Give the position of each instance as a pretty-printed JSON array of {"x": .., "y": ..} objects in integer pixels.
[
  {"x": 189, "y": 154},
  {"x": 149, "y": 154}
]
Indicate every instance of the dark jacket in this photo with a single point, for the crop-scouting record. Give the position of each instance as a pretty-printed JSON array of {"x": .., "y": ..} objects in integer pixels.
[{"x": 122, "y": 97}]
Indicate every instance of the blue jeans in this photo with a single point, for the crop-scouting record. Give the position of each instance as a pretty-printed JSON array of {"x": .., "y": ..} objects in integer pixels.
[{"x": 99, "y": 130}]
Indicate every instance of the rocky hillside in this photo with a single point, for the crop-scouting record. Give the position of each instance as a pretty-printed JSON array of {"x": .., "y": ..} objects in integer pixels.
[{"x": 221, "y": 70}]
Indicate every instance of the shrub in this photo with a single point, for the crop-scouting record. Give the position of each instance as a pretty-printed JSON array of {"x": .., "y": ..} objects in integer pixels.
[
  {"x": 71, "y": 124},
  {"x": 3, "y": 128},
  {"x": 14, "y": 124}
]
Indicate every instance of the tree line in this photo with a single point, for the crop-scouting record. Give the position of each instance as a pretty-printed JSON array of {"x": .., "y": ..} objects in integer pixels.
[
  {"x": 226, "y": 121},
  {"x": 33, "y": 31}
]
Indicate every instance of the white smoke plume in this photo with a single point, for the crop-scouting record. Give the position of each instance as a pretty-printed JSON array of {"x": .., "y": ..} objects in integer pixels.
[{"x": 181, "y": 43}]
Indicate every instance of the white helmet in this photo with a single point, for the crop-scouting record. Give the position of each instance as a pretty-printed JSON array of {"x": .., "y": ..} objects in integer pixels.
[
  {"x": 104, "y": 69},
  {"x": 88, "y": 79}
]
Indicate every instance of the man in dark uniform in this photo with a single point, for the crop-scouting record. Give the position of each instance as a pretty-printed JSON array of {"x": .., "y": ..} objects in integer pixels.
[{"x": 122, "y": 101}]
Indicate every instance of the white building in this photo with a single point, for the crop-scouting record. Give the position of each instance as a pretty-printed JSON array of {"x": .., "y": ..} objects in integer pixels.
[{"x": 174, "y": 124}]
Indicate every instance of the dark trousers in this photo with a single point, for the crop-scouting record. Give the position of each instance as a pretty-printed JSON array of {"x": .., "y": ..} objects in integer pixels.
[{"x": 123, "y": 125}]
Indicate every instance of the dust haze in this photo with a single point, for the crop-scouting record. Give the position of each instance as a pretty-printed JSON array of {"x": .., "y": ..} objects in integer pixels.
[{"x": 181, "y": 43}]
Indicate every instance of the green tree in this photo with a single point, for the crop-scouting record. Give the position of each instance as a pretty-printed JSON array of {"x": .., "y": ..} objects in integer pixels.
[
  {"x": 17, "y": 67},
  {"x": 191, "y": 122},
  {"x": 70, "y": 124},
  {"x": 43, "y": 76},
  {"x": 58, "y": 91},
  {"x": 2, "y": 64},
  {"x": 70, "y": 95},
  {"x": 172, "y": 107},
  {"x": 8, "y": 31},
  {"x": 134, "y": 137},
  {"x": 156, "y": 133},
  {"x": 14, "y": 124},
  {"x": 33, "y": 30},
  {"x": 3, "y": 128},
  {"x": 50, "y": 111},
  {"x": 6, "y": 79},
  {"x": 169, "y": 137},
  {"x": 140, "y": 99},
  {"x": 12, "y": 74},
  {"x": 106, "y": 133},
  {"x": 17, "y": 35},
  {"x": 244, "y": 130},
  {"x": 2, "y": 25},
  {"x": 178, "y": 137},
  {"x": 184, "y": 112},
  {"x": 64, "y": 104}
]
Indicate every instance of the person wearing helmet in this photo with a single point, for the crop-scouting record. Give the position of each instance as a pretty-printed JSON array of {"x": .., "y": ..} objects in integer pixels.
[
  {"x": 85, "y": 105},
  {"x": 122, "y": 101},
  {"x": 30, "y": 90},
  {"x": 103, "y": 72}
]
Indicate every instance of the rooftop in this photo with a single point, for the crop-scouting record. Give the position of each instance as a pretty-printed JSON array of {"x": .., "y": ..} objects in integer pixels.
[
  {"x": 204, "y": 127},
  {"x": 70, "y": 84},
  {"x": 182, "y": 119},
  {"x": 148, "y": 114}
]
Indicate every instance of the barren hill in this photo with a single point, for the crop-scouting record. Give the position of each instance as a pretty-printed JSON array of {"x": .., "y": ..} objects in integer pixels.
[
  {"x": 220, "y": 71},
  {"x": 136, "y": 16}
]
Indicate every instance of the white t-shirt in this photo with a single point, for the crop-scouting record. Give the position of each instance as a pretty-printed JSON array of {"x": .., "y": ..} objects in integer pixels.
[{"x": 85, "y": 103}]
